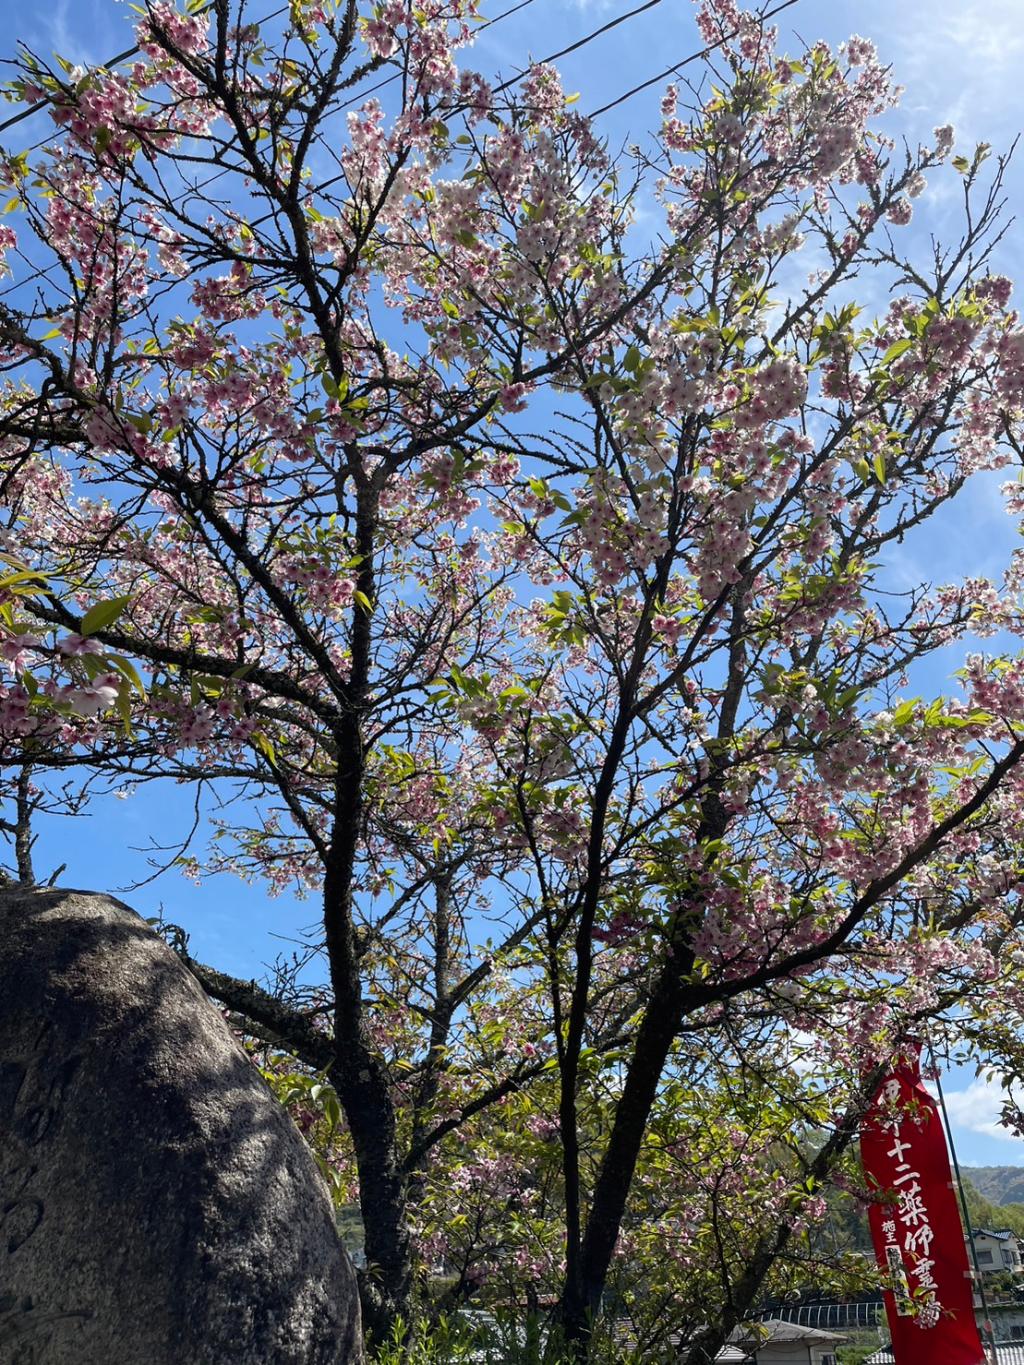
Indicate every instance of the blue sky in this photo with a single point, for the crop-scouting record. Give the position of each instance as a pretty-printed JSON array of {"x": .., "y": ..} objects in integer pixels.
[{"x": 961, "y": 61}]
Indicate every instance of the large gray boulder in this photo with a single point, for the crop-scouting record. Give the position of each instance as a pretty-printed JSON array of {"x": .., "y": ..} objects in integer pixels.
[{"x": 156, "y": 1203}]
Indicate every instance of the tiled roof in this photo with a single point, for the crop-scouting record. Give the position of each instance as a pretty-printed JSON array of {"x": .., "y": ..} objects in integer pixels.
[{"x": 776, "y": 1330}]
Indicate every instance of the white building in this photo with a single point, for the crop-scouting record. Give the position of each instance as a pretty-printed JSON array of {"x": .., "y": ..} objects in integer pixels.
[
  {"x": 780, "y": 1343},
  {"x": 997, "y": 1251}
]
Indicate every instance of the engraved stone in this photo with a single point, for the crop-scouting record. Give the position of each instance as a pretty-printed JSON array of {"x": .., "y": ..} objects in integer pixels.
[{"x": 156, "y": 1204}]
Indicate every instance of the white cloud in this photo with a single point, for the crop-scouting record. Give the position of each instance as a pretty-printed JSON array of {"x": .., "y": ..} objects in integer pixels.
[
  {"x": 797, "y": 1049},
  {"x": 85, "y": 32},
  {"x": 66, "y": 38},
  {"x": 978, "y": 1108},
  {"x": 959, "y": 62},
  {"x": 990, "y": 30}
]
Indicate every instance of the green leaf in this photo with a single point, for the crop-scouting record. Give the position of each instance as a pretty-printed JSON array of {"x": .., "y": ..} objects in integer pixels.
[
  {"x": 208, "y": 683},
  {"x": 333, "y": 389},
  {"x": 265, "y": 746},
  {"x": 103, "y": 614},
  {"x": 905, "y": 711},
  {"x": 128, "y": 670},
  {"x": 22, "y": 576},
  {"x": 124, "y": 707},
  {"x": 897, "y": 349}
]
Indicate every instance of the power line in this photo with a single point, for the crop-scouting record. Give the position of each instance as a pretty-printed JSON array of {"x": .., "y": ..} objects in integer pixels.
[
  {"x": 575, "y": 47},
  {"x": 133, "y": 51},
  {"x": 582, "y": 42},
  {"x": 505, "y": 85},
  {"x": 504, "y": 15},
  {"x": 116, "y": 61},
  {"x": 513, "y": 9},
  {"x": 120, "y": 57},
  {"x": 693, "y": 57},
  {"x": 552, "y": 57},
  {"x": 396, "y": 75}
]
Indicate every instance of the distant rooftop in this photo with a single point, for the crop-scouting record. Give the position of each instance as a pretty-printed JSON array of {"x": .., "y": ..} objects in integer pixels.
[
  {"x": 774, "y": 1329},
  {"x": 1007, "y": 1353}
]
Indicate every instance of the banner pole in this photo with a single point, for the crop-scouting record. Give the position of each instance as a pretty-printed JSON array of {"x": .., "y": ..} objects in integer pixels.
[{"x": 987, "y": 1328}]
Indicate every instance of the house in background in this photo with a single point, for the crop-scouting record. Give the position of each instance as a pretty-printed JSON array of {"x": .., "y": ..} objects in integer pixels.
[
  {"x": 780, "y": 1343},
  {"x": 1006, "y": 1354},
  {"x": 997, "y": 1251}
]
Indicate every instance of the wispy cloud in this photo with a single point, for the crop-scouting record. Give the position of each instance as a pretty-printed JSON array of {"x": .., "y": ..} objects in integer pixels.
[
  {"x": 959, "y": 62},
  {"x": 990, "y": 30},
  {"x": 85, "y": 33},
  {"x": 979, "y": 1108}
]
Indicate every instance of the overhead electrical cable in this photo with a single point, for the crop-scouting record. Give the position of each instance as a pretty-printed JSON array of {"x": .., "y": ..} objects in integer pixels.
[
  {"x": 582, "y": 42},
  {"x": 693, "y": 57},
  {"x": 108, "y": 66}
]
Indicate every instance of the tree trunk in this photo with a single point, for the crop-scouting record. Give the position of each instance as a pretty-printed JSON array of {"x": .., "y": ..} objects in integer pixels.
[
  {"x": 386, "y": 1281},
  {"x": 581, "y": 1299},
  {"x": 358, "y": 1072}
]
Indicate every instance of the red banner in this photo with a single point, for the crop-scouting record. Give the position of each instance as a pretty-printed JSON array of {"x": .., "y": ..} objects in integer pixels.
[{"x": 915, "y": 1227}]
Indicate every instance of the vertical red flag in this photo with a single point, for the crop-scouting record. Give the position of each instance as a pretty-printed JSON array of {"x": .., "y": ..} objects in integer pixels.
[{"x": 916, "y": 1229}]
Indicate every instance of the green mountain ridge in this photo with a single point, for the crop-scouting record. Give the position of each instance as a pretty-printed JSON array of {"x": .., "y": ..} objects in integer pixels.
[{"x": 998, "y": 1184}]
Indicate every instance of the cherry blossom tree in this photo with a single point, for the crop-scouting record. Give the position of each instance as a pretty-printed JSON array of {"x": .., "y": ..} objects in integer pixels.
[{"x": 521, "y": 576}]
